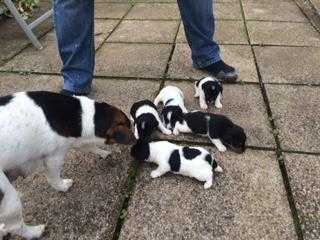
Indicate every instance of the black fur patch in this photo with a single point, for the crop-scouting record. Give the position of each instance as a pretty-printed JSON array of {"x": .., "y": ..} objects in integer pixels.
[
  {"x": 190, "y": 153},
  {"x": 168, "y": 101},
  {"x": 218, "y": 125},
  {"x": 103, "y": 118},
  {"x": 139, "y": 104},
  {"x": 197, "y": 122},
  {"x": 146, "y": 124},
  {"x": 197, "y": 83},
  {"x": 211, "y": 90},
  {"x": 176, "y": 115},
  {"x": 63, "y": 113},
  {"x": 140, "y": 151},
  {"x": 209, "y": 159},
  {"x": 175, "y": 161},
  {"x": 5, "y": 100}
]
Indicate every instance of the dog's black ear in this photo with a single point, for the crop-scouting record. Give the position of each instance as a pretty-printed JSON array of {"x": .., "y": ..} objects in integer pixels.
[
  {"x": 140, "y": 151},
  {"x": 235, "y": 138}
]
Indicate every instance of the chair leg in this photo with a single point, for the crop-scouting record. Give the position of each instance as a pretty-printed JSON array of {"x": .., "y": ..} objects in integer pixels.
[{"x": 23, "y": 24}]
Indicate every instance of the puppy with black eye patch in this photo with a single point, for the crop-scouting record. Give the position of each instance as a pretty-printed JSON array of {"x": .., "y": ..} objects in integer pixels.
[
  {"x": 38, "y": 129},
  {"x": 173, "y": 105},
  {"x": 193, "y": 162},
  {"x": 221, "y": 130},
  {"x": 146, "y": 119},
  {"x": 209, "y": 91}
]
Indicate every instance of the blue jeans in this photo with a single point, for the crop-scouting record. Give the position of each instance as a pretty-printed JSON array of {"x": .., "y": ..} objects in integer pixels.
[{"x": 74, "y": 25}]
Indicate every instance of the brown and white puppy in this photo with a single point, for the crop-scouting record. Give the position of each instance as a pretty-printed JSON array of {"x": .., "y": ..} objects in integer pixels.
[{"x": 38, "y": 129}]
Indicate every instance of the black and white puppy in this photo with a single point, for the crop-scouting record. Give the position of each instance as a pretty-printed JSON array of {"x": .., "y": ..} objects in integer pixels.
[
  {"x": 194, "y": 162},
  {"x": 221, "y": 130},
  {"x": 209, "y": 90},
  {"x": 146, "y": 119},
  {"x": 173, "y": 105},
  {"x": 38, "y": 129}
]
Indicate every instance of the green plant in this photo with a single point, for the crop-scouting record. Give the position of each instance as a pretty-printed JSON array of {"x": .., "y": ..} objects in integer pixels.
[{"x": 25, "y": 7}]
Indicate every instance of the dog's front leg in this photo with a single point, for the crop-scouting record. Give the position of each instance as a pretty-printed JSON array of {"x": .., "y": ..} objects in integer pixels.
[
  {"x": 202, "y": 100},
  {"x": 159, "y": 171},
  {"x": 181, "y": 128},
  {"x": 218, "y": 144},
  {"x": 53, "y": 165}
]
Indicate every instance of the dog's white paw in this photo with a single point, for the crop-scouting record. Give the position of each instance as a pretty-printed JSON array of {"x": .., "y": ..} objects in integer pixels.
[
  {"x": 222, "y": 148},
  {"x": 207, "y": 184},
  {"x": 167, "y": 132},
  {"x": 175, "y": 132},
  {"x": 219, "y": 105},
  {"x": 155, "y": 174},
  {"x": 32, "y": 232},
  {"x": 64, "y": 185},
  {"x": 203, "y": 106}
]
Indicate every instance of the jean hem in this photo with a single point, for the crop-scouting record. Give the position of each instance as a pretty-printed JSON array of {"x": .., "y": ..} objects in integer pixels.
[{"x": 203, "y": 64}]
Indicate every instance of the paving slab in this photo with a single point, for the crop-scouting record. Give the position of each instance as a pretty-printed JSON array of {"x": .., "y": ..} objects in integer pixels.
[
  {"x": 304, "y": 171},
  {"x": 282, "y": 11},
  {"x": 132, "y": 60},
  {"x": 243, "y": 104},
  {"x": 102, "y": 28},
  {"x": 296, "y": 113},
  {"x": 238, "y": 56},
  {"x": 226, "y": 32},
  {"x": 145, "y": 31},
  {"x": 299, "y": 65},
  {"x": 147, "y": 11},
  {"x": 12, "y": 36},
  {"x": 46, "y": 60},
  {"x": 247, "y": 201},
  {"x": 283, "y": 33},
  {"x": 227, "y": 10},
  {"x": 110, "y": 10},
  {"x": 90, "y": 210}
]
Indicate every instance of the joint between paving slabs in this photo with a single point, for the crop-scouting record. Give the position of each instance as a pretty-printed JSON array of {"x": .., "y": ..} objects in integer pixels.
[
  {"x": 313, "y": 16},
  {"x": 275, "y": 132},
  {"x": 130, "y": 187},
  {"x": 117, "y": 25}
]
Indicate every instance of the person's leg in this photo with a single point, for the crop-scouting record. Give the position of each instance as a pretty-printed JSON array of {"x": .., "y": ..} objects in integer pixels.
[
  {"x": 199, "y": 25},
  {"x": 74, "y": 26}
]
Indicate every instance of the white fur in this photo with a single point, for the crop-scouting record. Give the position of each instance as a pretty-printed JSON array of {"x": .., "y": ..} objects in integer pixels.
[
  {"x": 27, "y": 142},
  {"x": 200, "y": 93},
  {"x": 148, "y": 109},
  {"x": 171, "y": 92},
  {"x": 197, "y": 168},
  {"x": 184, "y": 128}
]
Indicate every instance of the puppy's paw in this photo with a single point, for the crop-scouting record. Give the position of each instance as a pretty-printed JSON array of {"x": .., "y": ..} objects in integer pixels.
[
  {"x": 203, "y": 106},
  {"x": 167, "y": 132},
  {"x": 155, "y": 174},
  {"x": 222, "y": 148},
  {"x": 207, "y": 184},
  {"x": 219, "y": 105},
  {"x": 33, "y": 232},
  {"x": 64, "y": 185},
  {"x": 175, "y": 132}
]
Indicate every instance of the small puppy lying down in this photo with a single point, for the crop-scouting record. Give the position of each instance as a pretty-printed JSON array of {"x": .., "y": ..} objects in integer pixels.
[
  {"x": 145, "y": 116},
  {"x": 220, "y": 130},
  {"x": 193, "y": 162},
  {"x": 173, "y": 105},
  {"x": 209, "y": 90},
  {"x": 38, "y": 129}
]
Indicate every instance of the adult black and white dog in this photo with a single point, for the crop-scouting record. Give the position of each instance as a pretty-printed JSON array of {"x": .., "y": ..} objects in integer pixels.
[
  {"x": 173, "y": 105},
  {"x": 220, "y": 130},
  {"x": 194, "y": 162},
  {"x": 37, "y": 129},
  {"x": 209, "y": 90},
  {"x": 146, "y": 119}
]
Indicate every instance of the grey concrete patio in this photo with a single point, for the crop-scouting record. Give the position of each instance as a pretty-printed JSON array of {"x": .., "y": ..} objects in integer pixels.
[{"x": 272, "y": 191}]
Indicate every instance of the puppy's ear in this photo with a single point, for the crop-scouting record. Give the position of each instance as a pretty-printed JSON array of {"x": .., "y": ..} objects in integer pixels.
[{"x": 140, "y": 151}]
